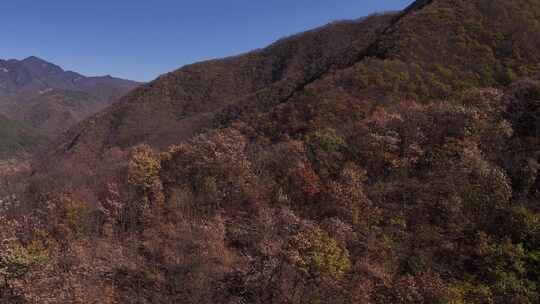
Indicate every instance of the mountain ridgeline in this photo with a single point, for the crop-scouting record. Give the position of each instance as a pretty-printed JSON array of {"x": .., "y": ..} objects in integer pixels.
[
  {"x": 31, "y": 76},
  {"x": 390, "y": 159}
]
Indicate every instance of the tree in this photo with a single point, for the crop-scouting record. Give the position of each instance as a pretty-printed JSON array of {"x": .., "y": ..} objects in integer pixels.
[{"x": 143, "y": 168}]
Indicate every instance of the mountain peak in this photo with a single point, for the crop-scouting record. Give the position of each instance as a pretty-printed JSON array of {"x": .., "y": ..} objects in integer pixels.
[
  {"x": 33, "y": 58},
  {"x": 39, "y": 66}
]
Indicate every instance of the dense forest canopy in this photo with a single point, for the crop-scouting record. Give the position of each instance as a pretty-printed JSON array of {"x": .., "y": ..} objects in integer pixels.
[{"x": 393, "y": 159}]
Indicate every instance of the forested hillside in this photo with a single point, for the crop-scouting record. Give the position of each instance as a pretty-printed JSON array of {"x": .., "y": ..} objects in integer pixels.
[
  {"x": 18, "y": 138},
  {"x": 392, "y": 159}
]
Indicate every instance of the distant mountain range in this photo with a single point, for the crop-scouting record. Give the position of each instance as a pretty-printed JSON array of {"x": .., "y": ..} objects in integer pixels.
[
  {"x": 45, "y": 100},
  {"x": 34, "y": 76}
]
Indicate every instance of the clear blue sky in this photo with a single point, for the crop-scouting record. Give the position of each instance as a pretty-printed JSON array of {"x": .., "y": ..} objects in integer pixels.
[{"x": 141, "y": 39}]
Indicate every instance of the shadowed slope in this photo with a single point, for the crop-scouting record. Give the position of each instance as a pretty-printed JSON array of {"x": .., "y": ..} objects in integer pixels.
[{"x": 17, "y": 138}]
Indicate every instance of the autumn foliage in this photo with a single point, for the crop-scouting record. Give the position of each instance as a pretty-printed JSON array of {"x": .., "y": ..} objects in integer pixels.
[{"x": 406, "y": 172}]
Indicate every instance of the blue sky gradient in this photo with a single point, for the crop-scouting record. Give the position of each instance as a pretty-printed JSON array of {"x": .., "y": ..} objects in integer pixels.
[{"x": 141, "y": 39}]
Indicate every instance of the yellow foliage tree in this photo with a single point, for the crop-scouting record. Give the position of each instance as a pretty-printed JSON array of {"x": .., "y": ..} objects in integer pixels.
[{"x": 143, "y": 168}]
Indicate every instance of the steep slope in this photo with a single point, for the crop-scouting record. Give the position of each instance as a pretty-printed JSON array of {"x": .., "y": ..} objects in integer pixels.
[
  {"x": 184, "y": 101},
  {"x": 391, "y": 160},
  {"x": 416, "y": 47}
]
